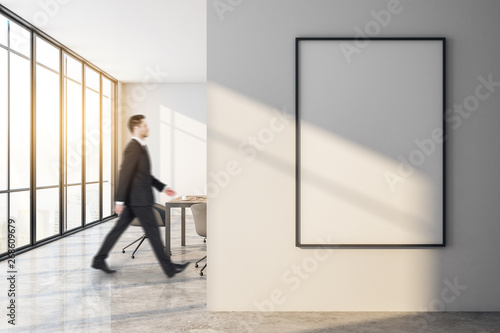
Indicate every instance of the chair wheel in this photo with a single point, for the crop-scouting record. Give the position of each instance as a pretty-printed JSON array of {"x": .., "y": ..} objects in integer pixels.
[
  {"x": 133, "y": 257},
  {"x": 196, "y": 265},
  {"x": 123, "y": 251},
  {"x": 201, "y": 273}
]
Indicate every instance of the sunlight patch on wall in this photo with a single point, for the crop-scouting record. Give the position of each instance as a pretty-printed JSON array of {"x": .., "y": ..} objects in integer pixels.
[
  {"x": 349, "y": 192},
  {"x": 183, "y": 151}
]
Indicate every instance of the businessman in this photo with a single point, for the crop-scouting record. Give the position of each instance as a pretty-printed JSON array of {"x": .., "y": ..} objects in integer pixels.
[{"x": 134, "y": 198}]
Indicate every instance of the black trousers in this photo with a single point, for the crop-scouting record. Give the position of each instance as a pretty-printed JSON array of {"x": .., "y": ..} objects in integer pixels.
[{"x": 150, "y": 226}]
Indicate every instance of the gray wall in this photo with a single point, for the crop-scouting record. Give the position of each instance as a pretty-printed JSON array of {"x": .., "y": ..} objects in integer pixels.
[{"x": 254, "y": 264}]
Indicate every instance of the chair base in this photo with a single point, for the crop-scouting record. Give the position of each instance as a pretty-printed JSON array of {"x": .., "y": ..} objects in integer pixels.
[
  {"x": 196, "y": 265},
  {"x": 141, "y": 239}
]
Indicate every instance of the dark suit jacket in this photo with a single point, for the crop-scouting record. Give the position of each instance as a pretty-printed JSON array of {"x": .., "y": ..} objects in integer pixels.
[{"x": 135, "y": 179}]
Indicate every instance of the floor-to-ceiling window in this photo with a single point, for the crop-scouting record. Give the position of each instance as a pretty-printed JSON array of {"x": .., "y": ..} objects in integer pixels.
[
  {"x": 92, "y": 143},
  {"x": 47, "y": 134},
  {"x": 4, "y": 126},
  {"x": 108, "y": 102},
  {"x": 73, "y": 145},
  {"x": 56, "y": 137},
  {"x": 18, "y": 117}
]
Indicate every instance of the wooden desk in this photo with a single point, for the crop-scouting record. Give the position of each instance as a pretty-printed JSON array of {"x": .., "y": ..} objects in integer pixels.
[{"x": 179, "y": 203}]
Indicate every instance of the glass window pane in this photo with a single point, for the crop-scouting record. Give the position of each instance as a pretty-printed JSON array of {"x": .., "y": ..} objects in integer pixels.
[
  {"x": 3, "y": 118},
  {"x": 20, "y": 39},
  {"x": 20, "y": 212},
  {"x": 92, "y": 203},
  {"x": 47, "y": 127},
  {"x": 47, "y": 54},
  {"x": 73, "y": 132},
  {"x": 3, "y": 30},
  {"x": 47, "y": 213},
  {"x": 20, "y": 115},
  {"x": 92, "y": 135},
  {"x": 73, "y": 69},
  {"x": 3, "y": 223},
  {"x": 106, "y": 199},
  {"x": 106, "y": 87},
  {"x": 106, "y": 139},
  {"x": 73, "y": 207},
  {"x": 92, "y": 78}
]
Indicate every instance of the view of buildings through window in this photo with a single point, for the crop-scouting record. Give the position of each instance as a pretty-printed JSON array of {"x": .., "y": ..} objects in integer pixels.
[{"x": 56, "y": 138}]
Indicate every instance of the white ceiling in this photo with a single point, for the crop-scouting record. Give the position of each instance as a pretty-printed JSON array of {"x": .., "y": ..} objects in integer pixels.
[{"x": 128, "y": 39}]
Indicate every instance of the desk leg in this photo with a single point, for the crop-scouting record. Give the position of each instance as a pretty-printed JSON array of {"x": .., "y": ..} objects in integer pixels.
[
  {"x": 183, "y": 226},
  {"x": 168, "y": 252}
]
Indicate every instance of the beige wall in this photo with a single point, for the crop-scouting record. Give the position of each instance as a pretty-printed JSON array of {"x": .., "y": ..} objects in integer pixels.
[{"x": 253, "y": 261}]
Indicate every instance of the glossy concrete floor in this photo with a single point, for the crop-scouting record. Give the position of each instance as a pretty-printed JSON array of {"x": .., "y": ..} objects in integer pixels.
[{"x": 57, "y": 291}]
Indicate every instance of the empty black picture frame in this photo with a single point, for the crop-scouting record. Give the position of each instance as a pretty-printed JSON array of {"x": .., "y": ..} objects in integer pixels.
[{"x": 323, "y": 67}]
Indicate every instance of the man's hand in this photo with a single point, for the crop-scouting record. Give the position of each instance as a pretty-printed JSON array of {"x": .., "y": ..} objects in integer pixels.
[
  {"x": 119, "y": 208},
  {"x": 170, "y": 192}
]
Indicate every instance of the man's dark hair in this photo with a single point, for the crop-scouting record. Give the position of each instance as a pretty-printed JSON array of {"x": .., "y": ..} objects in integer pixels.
[{"x": 135, "y": 121}]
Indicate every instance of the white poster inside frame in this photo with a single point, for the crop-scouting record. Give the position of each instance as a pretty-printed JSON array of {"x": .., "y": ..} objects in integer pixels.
[{"x": 370, "y": 142}]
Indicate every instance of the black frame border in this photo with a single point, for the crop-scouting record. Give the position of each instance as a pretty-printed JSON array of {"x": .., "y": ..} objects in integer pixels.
[{"x": 298, "y": 146}]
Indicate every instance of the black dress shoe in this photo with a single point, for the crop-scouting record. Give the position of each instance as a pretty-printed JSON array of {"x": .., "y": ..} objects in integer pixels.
[
  {"x": 102, "y": 266},
  {"x": 176, "y": 268},
  {"x": 180, "y": 267}
]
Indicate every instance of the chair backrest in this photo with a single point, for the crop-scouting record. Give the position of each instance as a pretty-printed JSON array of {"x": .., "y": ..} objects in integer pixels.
[
  {"x": 159, "y": 213},
  {"x": 200, "y": 218}
]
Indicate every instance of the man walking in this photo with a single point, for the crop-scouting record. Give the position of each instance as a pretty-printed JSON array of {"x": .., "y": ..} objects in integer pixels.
[{"x": 134, "y": 198}]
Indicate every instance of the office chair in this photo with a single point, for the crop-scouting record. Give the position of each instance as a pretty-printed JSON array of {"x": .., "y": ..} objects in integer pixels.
[
  {"x": 159, "y": 212},
  {"x": 200, "y": 223}
]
